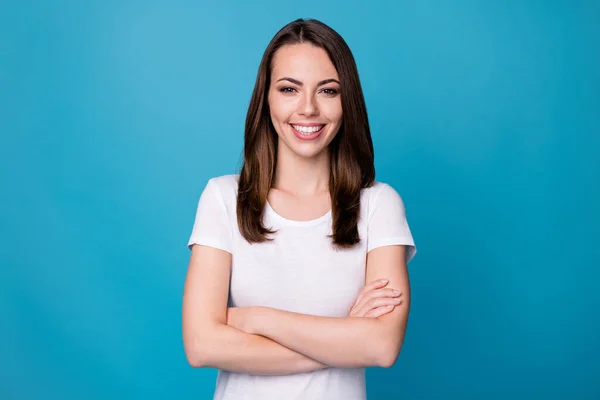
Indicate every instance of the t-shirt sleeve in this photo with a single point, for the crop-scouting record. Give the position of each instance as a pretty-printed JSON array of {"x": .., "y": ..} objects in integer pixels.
[
  {"x": 387, "y": 224},
  {"x": 211, "y": 225}
]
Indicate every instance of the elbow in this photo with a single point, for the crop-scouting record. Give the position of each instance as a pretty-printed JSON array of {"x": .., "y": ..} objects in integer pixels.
[
  {"x": 194, "y": 354},
  {"x": 198, "y": 340},
  {"x": 195, "y": 359},
  {"x": 388, "y": 360},
  {"x": 195, "y": 349},
  {"x": 389, "y": 352}
]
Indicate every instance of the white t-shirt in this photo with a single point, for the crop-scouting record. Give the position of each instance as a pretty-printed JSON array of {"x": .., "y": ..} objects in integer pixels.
[{"x": 300, "y": 272}]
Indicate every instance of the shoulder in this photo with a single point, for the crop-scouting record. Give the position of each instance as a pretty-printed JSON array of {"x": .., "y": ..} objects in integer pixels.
[
  {"x": 224, "y": 182},
  {"x": 380, "y": 194},
  {"x": 379, "y": 191},
  {"x": 224, "y": 187}
]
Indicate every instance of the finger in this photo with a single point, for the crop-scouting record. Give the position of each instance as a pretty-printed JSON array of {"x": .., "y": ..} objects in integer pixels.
[
  {"x": 385, "y": 292},
  {"x": 353, "y": 313},
  {"x": 370, "y": 303},
  {"x": 383, "y": 301},
  {"x": 379, "y": 283},
  {"x": 378, "y": 312},
  {"x": 378, "y": 302},
  {"x": 371, "y": 286}
]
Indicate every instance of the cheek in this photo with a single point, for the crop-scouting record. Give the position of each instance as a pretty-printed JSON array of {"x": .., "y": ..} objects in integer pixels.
[
  {"x": 280, "y": 110},
  {"x": 333, "y": 111}
]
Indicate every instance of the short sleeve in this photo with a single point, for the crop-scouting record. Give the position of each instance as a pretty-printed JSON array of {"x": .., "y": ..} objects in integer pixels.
[
  {"x": 387, "y": 224},
  {"x": 211, "y": 225}
]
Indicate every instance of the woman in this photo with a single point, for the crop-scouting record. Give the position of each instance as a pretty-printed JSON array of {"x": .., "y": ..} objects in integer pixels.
[{"x": 289, "y": 243}]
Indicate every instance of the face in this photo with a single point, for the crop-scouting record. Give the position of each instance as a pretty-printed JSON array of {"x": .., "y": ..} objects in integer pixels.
[{"x": 304, "y": 99}]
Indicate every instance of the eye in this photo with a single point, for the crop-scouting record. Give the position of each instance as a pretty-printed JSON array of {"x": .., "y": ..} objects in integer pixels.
[
  {"x": 287, "y": 89},
  {"x": 331, "y": 92}
]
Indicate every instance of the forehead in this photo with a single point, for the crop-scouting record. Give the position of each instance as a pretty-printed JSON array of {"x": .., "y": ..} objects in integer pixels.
[{"x": 304, "y": 62}]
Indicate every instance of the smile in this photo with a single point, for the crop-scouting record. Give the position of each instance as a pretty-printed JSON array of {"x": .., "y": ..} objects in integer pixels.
[{"x": 303, "y": 132}]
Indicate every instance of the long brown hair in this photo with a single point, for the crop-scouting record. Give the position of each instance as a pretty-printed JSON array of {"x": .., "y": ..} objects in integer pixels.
[{"x": 351, "y": 151}]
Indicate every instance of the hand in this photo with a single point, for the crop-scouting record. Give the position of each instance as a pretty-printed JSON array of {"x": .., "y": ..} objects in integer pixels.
[{"x": 374, "y": 301}]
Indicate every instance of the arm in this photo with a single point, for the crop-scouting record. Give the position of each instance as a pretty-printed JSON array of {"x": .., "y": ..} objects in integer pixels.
[
  {"x": 209, "y": 342},
  {"x": 345, "y": 342}
]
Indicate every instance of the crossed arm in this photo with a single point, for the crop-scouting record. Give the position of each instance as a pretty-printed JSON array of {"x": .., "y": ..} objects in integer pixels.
[{"x": 267, "y": 341}]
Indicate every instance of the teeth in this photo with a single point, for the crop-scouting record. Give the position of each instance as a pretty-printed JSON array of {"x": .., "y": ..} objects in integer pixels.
[{"x": 307, "y": 129}]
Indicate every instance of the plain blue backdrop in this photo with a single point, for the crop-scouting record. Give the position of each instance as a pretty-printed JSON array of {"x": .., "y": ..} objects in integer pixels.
[{"x": 485, "y": 118}]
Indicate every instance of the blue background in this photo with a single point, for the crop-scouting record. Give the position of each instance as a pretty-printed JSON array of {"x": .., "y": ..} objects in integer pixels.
[{"x": 485, "y": 117}]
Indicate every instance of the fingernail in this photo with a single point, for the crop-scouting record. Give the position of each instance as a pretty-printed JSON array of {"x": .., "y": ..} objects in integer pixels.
[
  {"x": 383, "y": 280},
  {"x": 396, "y": 291}
]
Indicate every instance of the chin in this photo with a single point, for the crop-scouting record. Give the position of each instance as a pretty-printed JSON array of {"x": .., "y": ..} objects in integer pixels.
[
  {"x": 306, "y": 150},
  {"x": 310, "y": 155}
]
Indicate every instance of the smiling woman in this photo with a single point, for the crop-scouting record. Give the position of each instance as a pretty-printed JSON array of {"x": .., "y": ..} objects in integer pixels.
[{"x": 285, "y": 291}]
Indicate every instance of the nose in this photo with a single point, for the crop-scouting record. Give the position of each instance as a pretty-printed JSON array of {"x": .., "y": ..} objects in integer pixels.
[{"x": 308, "y": 105}]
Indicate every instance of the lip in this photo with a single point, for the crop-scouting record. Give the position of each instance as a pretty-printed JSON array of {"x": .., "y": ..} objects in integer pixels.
[
  {"x": 307, "y": 124},
  {"x": 305, "y": 137}
]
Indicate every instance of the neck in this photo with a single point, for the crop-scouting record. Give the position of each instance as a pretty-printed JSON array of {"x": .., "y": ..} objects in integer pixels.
[{"x": 301, "y": 176}]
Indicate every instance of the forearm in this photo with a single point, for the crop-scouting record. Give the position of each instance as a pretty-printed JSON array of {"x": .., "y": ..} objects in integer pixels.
[
  {"x": 231, "y": 349},
  {"x": 346, "y": 342}
]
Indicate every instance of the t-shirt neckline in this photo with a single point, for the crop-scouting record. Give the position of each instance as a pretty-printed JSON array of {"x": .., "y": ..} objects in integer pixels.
[{"x": 291, "y": 222}]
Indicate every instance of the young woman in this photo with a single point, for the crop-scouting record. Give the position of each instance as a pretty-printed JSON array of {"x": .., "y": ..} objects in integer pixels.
[{"x": 275, "y": 294}]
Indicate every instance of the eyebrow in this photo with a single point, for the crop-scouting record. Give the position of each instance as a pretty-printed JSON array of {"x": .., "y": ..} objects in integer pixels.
[{"x": 297, "y": 82}]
